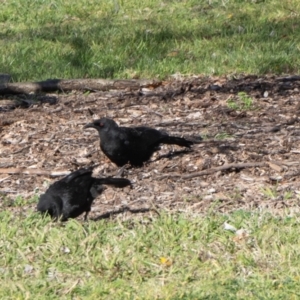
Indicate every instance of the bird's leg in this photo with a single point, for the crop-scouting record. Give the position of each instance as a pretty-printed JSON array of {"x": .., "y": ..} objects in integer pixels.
[
  {"x": 120, "y": 172},
  {"x": 86, "y": 215}
]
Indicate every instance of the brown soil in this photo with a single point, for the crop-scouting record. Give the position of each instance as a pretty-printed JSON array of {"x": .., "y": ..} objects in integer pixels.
[{"x": 47, "y": 135}]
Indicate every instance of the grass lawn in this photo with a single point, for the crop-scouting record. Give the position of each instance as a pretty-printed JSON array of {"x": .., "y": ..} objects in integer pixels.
[
  {"x": 168, "y": 257},
  {"x": 171, "y": 256},
  {"x": 133, "y": 39}
]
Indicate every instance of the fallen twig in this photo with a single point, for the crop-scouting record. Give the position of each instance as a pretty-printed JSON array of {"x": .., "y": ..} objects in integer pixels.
[
  {"x": 2, "y": 179},
  {"x": 34, "y": 172},
  {"x": 75, "y": 84},
  {"x": 288, "y": 78},
  {"x": 228, "y": 167}
]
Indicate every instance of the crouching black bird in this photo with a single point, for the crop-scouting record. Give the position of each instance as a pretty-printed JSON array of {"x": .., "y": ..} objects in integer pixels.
[
  {"x": 74, "y": 194},
  {"x": 134, "y": 145}
]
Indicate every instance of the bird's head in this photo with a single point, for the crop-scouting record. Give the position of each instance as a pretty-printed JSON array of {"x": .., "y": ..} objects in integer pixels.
[{"x": 100, "y": 124}]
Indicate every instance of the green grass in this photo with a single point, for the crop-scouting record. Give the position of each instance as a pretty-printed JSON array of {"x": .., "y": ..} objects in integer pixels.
[
  {"x": 169, "y": 257},
  {"x": 172, "y": 256},
  {"x": 240, "y": 102},
  {"x": 131, "y": 39}
]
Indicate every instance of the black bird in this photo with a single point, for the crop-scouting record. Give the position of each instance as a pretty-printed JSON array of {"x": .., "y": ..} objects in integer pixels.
[
  {"x": 74, "y": 194},
  {"x": 134, "y": 145}
]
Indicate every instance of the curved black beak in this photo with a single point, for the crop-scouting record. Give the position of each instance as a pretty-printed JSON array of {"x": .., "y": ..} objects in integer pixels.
[{"x": 89, "y": 125}]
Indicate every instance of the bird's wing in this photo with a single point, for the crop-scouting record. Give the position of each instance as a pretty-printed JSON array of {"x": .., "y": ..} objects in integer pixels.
[
  {"x": 73, "y": 186},
  {"x": 71, "y": 177},
  {"x": 143, "y": 136}
]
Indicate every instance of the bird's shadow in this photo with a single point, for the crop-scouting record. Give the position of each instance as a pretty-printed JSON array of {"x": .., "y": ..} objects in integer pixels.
[
  {"x": 172, "y": 154},
  {"x": 110, "y": 214}
]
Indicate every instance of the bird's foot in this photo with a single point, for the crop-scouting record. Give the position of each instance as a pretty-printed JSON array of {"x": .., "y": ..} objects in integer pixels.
[{"x": 121, "y": 171}]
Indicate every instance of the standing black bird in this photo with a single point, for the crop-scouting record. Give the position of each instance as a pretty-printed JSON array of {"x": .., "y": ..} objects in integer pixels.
[
  {"x": 72, "y": 195},
  {"x": 134, "y": 145}
]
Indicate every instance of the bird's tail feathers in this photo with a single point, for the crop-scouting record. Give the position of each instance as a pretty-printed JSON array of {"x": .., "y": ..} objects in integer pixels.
[
  {"x": 174, "y": 140},
  {"x": 117, "y": 182}
]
